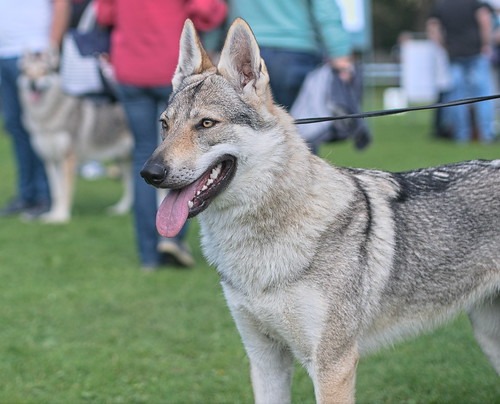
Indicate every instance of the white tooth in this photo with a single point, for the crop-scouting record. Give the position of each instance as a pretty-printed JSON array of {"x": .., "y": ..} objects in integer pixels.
[
  {"x": 210, "y": 181},
  {"x": 198, "y": 192},
  {"x": 204, "y": 188},
  {"x": 216, "y": 171},
  {"x": 190, "y": 204}
]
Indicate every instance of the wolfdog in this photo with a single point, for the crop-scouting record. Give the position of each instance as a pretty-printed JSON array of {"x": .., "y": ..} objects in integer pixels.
[
  {"x": 65, "y": 129},
  {"x": 317, "y": 262}
]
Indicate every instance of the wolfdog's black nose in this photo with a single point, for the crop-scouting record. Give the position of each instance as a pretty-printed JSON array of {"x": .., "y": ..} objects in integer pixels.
[{"x": 153, "y": 173}]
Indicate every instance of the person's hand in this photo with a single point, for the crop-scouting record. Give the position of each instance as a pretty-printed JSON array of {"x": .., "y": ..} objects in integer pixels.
[
  {"x": 487, "y": 50},
  {"x": 344, "y": 67}
]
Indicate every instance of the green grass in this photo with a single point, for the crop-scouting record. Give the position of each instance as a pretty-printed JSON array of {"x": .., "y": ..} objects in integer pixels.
[{"x": 80, "y": 323}]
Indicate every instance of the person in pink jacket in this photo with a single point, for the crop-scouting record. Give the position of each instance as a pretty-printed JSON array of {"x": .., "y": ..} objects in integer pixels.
[{"x": 144, "y": 53}]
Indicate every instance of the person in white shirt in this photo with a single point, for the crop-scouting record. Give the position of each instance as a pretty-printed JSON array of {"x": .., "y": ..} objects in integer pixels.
[{"x": 34, "y": 26}]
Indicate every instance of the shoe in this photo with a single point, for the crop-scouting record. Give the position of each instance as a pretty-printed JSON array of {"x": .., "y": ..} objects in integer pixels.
[
  {"x": 15, "y": 207},
  {"x": 149, "y": 268},
  {"x": 35, "y": 211},
  {"x": 178, "y": 251}
]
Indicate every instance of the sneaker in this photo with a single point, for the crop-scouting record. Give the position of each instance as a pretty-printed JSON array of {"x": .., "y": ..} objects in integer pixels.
[
  {"x": 149, "y": 268},
  {"x": 178, "y": 251},
  {"x": 35, "y": 211},
  {"x": 15, "y": 207}
]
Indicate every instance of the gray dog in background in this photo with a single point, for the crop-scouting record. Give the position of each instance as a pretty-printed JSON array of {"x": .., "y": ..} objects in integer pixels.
[
  {"x": 66, "y": 130},
  {"x": 318, "y": 263}
]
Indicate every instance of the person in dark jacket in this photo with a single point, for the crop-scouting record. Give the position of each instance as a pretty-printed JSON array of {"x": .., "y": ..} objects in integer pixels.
[{"x": 465, "y": 28}]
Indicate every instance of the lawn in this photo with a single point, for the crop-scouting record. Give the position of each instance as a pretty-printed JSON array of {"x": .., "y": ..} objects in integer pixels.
[{"x": 80, "y": 323}]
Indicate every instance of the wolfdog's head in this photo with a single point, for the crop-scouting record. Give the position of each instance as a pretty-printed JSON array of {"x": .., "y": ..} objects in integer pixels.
[
  {"x": 220, "y": 125},
  {"x": 38, "y": 73}
]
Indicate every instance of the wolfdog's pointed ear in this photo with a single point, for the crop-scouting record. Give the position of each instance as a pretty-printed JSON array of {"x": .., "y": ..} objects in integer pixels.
[
  {"x": 193, "y": 59},
  {"x": 240, "y": 61}
]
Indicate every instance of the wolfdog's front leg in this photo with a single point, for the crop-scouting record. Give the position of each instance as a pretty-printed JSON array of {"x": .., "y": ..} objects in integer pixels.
[
  {"x": 271, "y": 369},
  {"x": 334, "y": 377},
  {"x": 58, "y": 183},
  {"x": 271, "y": 364}
]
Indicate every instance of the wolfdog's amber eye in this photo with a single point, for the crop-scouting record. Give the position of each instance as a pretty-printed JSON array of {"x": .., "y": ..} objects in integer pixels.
[
  {"x": 207, "y": 123},
  {"x": 164, "y": 124}
]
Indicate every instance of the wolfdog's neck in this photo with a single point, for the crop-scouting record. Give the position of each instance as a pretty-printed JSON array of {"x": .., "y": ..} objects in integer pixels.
[{"x": 275, "y": 216}]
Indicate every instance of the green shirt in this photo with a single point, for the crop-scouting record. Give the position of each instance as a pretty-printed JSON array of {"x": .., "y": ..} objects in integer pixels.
[{"x": 298, "y": 25}]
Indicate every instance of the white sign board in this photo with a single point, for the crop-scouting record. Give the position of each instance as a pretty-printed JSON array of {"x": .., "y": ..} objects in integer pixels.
[
  {"x": 353, "y": 14},
  {"x": 419, "y": 70}
]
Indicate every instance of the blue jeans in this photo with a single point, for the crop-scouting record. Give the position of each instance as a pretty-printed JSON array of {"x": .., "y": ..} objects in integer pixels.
[
  {"x": 32, "y": 184},
  {"x": 471, "y": 77},
  {"x": 143, "y": 107},
  {"x": 287, "y": 71}
]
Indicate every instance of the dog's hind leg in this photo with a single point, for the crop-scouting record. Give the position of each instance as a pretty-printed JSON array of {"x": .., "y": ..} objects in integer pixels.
[
  {"x": 69, "y": 168},
  {"x": 485, "y": 319},
  {"x": 125, "y": 203}
]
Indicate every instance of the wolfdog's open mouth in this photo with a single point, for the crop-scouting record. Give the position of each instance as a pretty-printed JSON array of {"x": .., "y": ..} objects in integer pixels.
[
  {"x": 36, "y": 93},
  {"x": 187, "y": 202},
  {"x": 212, "y": 183}
]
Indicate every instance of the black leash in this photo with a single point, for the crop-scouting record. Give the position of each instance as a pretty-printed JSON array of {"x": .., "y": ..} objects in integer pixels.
[{"x": 398, "y": 110}]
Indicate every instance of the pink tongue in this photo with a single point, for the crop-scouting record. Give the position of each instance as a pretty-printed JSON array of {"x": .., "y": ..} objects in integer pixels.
[
  {"x": 35, "y": 96},
  {"x": 173, "y": 211}
]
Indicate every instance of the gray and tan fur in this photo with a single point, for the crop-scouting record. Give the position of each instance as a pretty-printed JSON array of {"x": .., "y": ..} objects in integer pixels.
[
  {"x": 317, "y": 262},
  {"x": 66, "y": 130}
]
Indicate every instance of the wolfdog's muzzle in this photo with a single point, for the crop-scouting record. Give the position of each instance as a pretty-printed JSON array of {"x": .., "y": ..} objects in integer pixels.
[{"x": 184, "y": 202}]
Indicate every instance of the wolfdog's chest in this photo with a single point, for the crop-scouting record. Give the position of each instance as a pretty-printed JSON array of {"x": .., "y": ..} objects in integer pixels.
[
  {"x": 255, "y": 260},
  {"x": 293, "y": 316}
]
